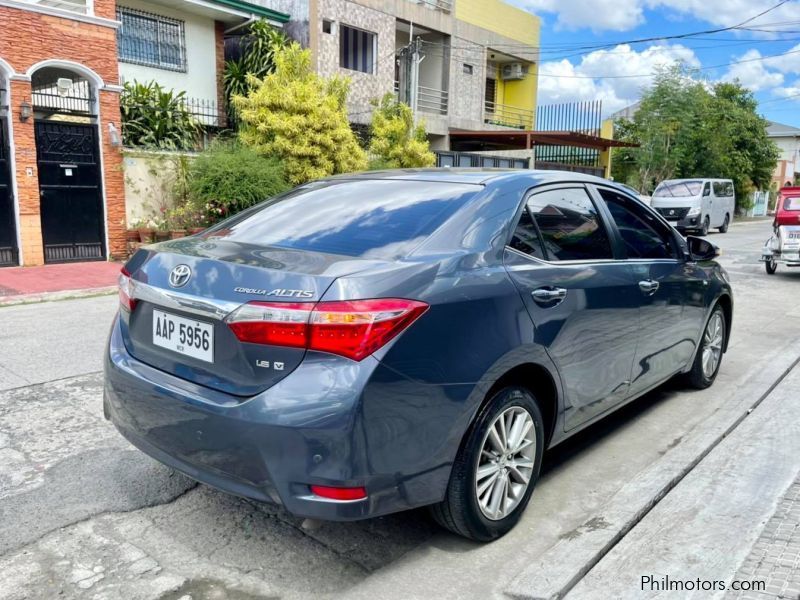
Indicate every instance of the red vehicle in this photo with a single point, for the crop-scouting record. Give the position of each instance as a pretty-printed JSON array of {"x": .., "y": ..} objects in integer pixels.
[
  {"x": 784, "y": 245},
  {"x": 787, "y": 209}
]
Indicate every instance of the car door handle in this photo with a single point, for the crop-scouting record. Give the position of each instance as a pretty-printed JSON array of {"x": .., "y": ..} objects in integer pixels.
[
  {"x": 649, "y": 286},
  {"x": 548, "y": 295}
]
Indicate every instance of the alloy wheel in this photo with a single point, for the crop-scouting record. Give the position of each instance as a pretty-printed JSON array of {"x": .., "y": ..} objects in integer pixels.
[
  {"x": 505, "y": 464},
  {"x": 712, "y": 344}
]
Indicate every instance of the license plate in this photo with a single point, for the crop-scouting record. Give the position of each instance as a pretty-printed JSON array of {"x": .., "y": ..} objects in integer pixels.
[{"x": 184, "y": 336}]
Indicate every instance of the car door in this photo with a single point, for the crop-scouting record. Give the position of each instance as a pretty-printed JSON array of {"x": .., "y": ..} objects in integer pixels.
[
  {"x": 720, "y": 203},
  {"x": 672, "y": 290},
  {"x": 583, "y": 302},
  {"x": 707, "y": 204}
]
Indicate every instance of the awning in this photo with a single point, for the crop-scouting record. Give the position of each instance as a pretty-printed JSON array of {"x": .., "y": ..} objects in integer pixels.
[{"x": 522, "y": 140}]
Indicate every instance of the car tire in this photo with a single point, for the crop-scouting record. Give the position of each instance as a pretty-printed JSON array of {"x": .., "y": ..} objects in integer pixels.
[
  {"x": 725, "y": 223},
  {"x": 706, "y": 225},
  {"x": 771, "y": 265},
  {"x": 464, "y": 510},
  {"x": 713, "y": 340}
]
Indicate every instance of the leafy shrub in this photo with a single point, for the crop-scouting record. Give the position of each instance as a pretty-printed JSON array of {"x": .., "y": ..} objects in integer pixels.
[
  {"x": 229, "y": 177},
  {"x": 257, "y": 50},
  {"x": 397, "y": 143},
  {"x": 153, "y": 117},
  {"x": 301, "y": 118}
]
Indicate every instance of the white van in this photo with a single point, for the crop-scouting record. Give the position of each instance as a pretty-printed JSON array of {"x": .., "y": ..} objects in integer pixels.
[{"x": 696, "y": 204}]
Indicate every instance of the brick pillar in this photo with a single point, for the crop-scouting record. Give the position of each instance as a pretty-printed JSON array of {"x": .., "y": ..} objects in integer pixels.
[
  {"x": 30, "y": 224},
  {"x": 219, "y": 36},
  {"x": 113, "y": 177}
]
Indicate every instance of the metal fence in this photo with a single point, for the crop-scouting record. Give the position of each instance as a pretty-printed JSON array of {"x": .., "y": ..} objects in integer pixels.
[
  {"x": 507, "y": 115},
  {"x": 208, "y": 112},
  {"x": 446, "y": 158},
  {"x": 432, "y": 100},
  {"x": 77, "y": 100},
  {"x": 578, "y": 117}
]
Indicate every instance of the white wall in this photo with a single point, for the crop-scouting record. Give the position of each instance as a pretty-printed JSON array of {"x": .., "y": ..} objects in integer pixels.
[{"x": 200, "y": 79}]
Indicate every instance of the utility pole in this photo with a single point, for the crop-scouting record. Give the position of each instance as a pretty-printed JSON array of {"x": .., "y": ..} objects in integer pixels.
[{"x": 416, "y": 47}]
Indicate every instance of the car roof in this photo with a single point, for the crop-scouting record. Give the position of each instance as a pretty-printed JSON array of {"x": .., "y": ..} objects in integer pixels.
[{"x": 478, "y": 176}]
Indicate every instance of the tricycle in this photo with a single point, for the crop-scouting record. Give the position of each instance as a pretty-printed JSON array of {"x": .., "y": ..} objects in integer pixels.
[{"x": 784, "y": 245}]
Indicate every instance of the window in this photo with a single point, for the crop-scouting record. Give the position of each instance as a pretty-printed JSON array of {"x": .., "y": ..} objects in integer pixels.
[
  {"x": 678, "y": 189},
  {"x": 372, "y": 218},
  {"x": 791, "y": 203},
  {"x": 467, "y": 69},
  {"x": 707, "y": 189},
  {"x": 491, "y": 94},
  {"x": 327, "y": 26},
  {"x": 149, "y": 39},
  {"x": 526, "y": 237},
  {"x": 723, "y": 189},
  {"x": 569, "y": 224},
  {"x": 357, "y": 49},
  {"x": 643, "y": 234}
]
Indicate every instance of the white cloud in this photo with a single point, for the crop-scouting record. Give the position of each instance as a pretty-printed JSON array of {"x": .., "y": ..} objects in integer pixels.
[
  {"x": 753, "y": 74},
  {"x": 791, "y": 91},
  {"x": 789, "y": 63},
  {"x": 583, "y": 81},
  {"x": 623, "y": 15}
]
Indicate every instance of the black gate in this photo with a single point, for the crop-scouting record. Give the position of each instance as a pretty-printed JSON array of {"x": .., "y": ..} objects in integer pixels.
[
  {"x": 70, "y": 194},
  {"x": 8, "y": 232}
]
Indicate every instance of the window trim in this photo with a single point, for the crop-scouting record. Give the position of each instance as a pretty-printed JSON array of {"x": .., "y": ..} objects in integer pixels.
[
  {"x": 160, "y": 20},
  {"x": 677, "y": 249},
  {"x": 602, "y": 213},
  {"x": 374, "y": 34}
]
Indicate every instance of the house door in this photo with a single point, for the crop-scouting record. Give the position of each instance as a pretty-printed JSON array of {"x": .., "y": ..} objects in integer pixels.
[
  {"x": 8, "y": 232},
  {"x": 70, "y": 192}
]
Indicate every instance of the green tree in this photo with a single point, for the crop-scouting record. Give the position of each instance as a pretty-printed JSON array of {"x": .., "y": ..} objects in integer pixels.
[
  {"x": 397, "y": 143},
  {"x": 297, "y": 116},
  {"x": 686, "y": 128},
  {"x": 257, "y": 58}
]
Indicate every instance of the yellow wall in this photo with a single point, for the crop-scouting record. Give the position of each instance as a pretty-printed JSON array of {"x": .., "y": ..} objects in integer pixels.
[
  {"x": 519, "y": 25},
  {"x": 501, "y": 18},
  {"x": 606, "y": 131}
]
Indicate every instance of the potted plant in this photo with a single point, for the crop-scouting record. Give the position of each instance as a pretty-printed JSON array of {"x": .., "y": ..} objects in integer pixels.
[
  {"x": 147, "y": 232},
  {"x": 132, "y": 233},
  {"x": 162, "y": 230}
]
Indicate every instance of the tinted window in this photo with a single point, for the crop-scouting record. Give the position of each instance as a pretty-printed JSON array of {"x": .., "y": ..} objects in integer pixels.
[
  {"x": 368, "y": 218},
  {"x": 644, "y": 237},
  {"x": 706, "y": 190},
  {"x": 678, "y": 189},
  {"x": 526, "y": 237},
  {"x": 569, "y": 224}
]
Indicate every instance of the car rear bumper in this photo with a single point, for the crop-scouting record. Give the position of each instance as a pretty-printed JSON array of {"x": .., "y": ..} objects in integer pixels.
[{"x": 270, "y": 447}]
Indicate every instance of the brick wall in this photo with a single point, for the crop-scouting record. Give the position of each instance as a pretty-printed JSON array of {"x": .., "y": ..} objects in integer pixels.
[
  {"x": 219, "y": 35},
  {"x": 27, "y": 39}
]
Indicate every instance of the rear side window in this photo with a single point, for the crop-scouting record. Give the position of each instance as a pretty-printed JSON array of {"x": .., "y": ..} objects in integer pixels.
[
  {"x": 792, "y": 203},
  {"x": 526, "y": 237},
  {"x": 371, "y": 218},
  {"x": 723, "y": 189},
  {"x": 569, "y": 225}
]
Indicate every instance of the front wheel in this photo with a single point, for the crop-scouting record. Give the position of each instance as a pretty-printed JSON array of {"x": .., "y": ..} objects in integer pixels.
[
  {"x": 496, "y": 469},
  {"x": 706, "y": 226},
  {"x": 725, "y": 223},
  {"x": 709, "y": 354},
  {"x": 771, "y": 265}
]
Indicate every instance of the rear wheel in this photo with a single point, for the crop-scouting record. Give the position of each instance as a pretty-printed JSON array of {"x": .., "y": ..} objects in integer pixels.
[
  {"x": 725, "y": 223},
  {"x": 771, "y": 265},
  {"x": 496, "y": 469},
  {"x": 709, "y": 354}
]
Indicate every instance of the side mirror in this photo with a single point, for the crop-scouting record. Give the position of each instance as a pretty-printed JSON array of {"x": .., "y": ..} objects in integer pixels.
[{"x": 700, "y": 249}]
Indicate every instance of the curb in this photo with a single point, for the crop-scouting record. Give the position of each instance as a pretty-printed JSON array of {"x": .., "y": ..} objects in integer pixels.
[
  {"x": 562, "y": 566},
  {"x": 16, "y": 300}
]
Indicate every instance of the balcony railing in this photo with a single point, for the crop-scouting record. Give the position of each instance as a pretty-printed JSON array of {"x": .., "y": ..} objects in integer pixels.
[
  {"x": 81, "y": 7},
  {"x": 432, "y": 100},
  {"x": 507, "y": 116},
  {"x": 442, "y": 5}
]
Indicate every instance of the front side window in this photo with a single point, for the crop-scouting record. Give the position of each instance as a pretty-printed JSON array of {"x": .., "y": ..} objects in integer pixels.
[
  {"x": 791, "y": 203},
  {"x": 357, "y": 49},
  {"x": 642, "y": 233},
  {"x": 569, "y": 225},
  {"x": 149, "y": 39}
]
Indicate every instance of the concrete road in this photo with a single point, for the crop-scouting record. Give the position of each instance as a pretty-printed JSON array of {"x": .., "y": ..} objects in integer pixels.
[{"x": 85, "y": 515}]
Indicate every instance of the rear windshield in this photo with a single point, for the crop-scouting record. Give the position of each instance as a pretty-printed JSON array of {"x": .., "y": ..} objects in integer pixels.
[
  {"x": 678, "y": 189},
  {"x": 371, "y": 218},
  {"x": 792, "y": 203}
]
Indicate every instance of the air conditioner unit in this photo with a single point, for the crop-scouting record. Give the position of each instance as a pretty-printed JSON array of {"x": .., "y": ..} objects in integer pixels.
[{"x": 514, "y": 71}]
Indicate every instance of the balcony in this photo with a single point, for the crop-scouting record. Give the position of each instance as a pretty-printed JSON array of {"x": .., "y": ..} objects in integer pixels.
[
  {"x": 80, "y": 7},
  {"x": 442, "y": 5},
  {"x": 431, "y": 100},
  {"x": 507, "y": 116}
]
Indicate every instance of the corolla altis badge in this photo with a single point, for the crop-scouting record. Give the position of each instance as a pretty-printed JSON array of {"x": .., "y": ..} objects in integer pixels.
[
  {"x": 278, "y": 292},
  {"x": 180, "y": 276}
]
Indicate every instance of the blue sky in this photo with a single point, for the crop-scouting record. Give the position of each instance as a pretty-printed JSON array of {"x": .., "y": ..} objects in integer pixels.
[{"x": 767, "y": 49}]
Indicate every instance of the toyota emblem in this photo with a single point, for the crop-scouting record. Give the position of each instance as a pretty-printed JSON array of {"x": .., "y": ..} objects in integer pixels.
[{"x": 180, "y": 276}]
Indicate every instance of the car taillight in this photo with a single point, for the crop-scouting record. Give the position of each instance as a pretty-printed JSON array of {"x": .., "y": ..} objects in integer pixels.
[
  {"x": 126, "y": 291},
  {"x": 352, "y": 328}
]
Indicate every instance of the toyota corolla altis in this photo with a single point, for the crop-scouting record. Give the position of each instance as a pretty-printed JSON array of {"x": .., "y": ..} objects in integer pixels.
[{"x": 372, "y": 343}]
